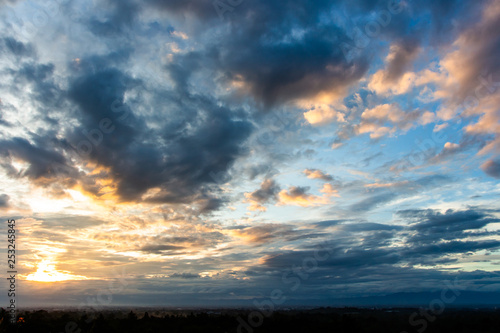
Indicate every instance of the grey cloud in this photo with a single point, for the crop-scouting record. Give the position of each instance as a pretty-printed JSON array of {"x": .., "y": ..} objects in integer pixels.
[
  {"x": 181, "y": 162},
  {"x": 268, "y": 191},
  {"x": 318, "y": 174},
  {"x": 403, "y": 54},
  {"x": 46, "y": 165},
  {"x": 161, "y": 249},
  {"x": 17, "y": 48},
  {"x": 122, "y": 15},
  {"x": 185, "y": 275},
  {"x": 4, "y": 201},
  {"x": 373, "y": 201},
  {"x": 382, "y": 195},
  {"x": 452, "y": 247},
  {"x": 432, "y": 221},
  {"x": 492, "y": 168}
]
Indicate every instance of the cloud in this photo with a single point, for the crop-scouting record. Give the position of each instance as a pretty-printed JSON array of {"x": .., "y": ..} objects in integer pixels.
[
  {"x": 17, "y": 48},
  {"x": 440, "y": 127},
  {"x": 379, "y": 194},
  {"x": 185, "y": 275},
  {"x": 376, "y": 120},
  {"x": 329, "y": 190},
  {"x": 4, "y": 201},
  {"x": 46, "y": 164},
  {"x": 394, "y": 79},
  {"x": 432, "y": 221},
  {"x": 373, "y": 201},
  {"x": 273, "y": 63},
  {"x": 267, "y": 192},
  {"x": 264, "y": 234},
  {"x": 324, "y": 114},
  {"x": 492, "y": 168},
  {"x": 298, "y": 196},
  {"x": 163, "y": 249},
  {"x": 467, "y": 77},
  {"x": 317, "y": 174},
  {"x": 131, "y": 153},
  {"x": 157, "y": 155},
  {"x": 121, "y": 15}
]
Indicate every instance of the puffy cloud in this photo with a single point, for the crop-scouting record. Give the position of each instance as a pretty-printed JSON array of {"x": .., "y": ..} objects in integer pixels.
[
  {"x": 323, "y": 114},
  {"x": 394, "y": 79},
  {"x": 266, "y": 193},
  {"x": 375, "y": 120},
  {"x": 329, "y": 190},
  {"x": 384, "y": 112},
  {"x": 298, "y": 196},
  {"x": 317, "y": 174},
  {"x": 450, "y": 145},
  {"x": 379, "y": 84},
  {"x": 466, "y": 77},
  {"x": 492, "y": 168}
]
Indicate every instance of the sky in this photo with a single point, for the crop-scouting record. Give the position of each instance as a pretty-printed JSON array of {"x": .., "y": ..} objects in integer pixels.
[{"x": 214, "y": 153}]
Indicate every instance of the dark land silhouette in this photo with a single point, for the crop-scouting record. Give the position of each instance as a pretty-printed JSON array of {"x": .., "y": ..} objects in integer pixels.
[{"x": 323, "y": 319}]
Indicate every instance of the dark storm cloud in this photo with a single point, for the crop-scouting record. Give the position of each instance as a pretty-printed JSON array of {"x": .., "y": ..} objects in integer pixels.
[
  {"x": 430, "y": 227},
  {"x": 46, "y": 165},
  {"x": 277, "y": 72},
  {"x": 372, "y": 258},
  {"x": 260, "y": 49},
  {"x": 190, "y": 151},
  {"x": 432, "y": 221},
  {"x": 338, "y": 258},
  {"x": 285, "y": 51},
  {"x": 451, "y": 247}
]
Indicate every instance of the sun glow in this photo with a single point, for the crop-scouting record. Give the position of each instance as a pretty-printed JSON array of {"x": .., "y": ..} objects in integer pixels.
[{"x": 46, "y": 272}]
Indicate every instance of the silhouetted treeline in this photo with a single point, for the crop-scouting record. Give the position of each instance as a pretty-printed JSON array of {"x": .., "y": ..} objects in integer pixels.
[{"x": 322, "y": 320}]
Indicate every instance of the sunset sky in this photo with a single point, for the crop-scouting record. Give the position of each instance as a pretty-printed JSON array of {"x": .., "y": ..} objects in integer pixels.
[{"x": 200, "y": 152}]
